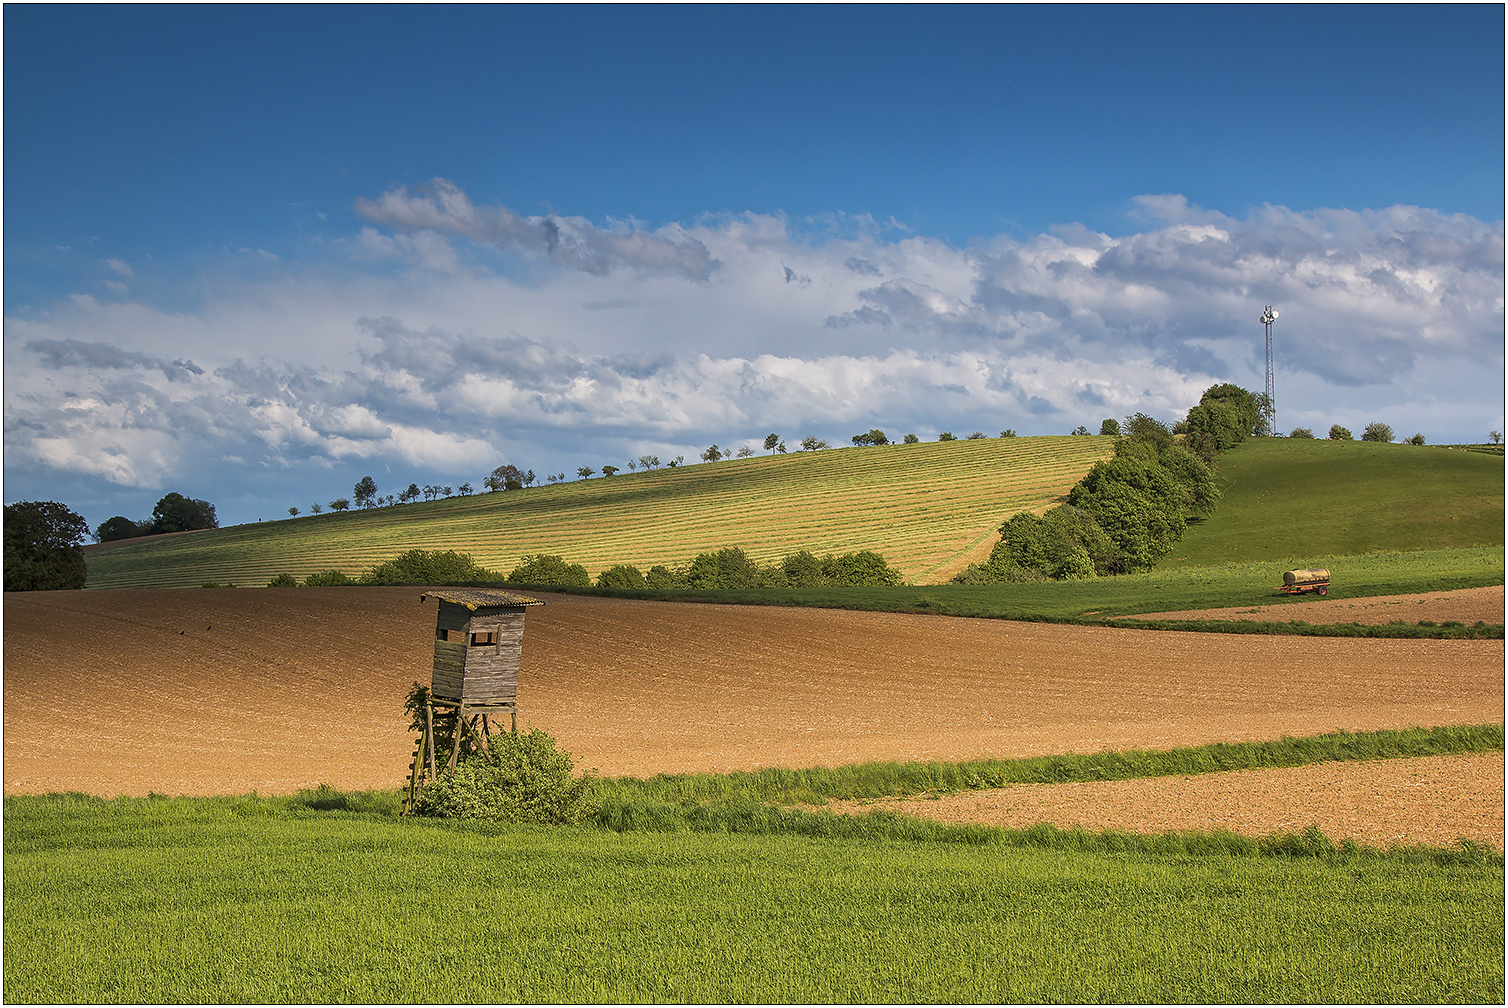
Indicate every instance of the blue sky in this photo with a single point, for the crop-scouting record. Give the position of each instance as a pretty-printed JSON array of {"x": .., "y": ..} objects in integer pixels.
[{"x": 252, "y": 254}]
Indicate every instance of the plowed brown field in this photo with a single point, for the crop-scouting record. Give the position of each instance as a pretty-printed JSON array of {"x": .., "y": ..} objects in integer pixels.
[{"x": 216, "y": 691}]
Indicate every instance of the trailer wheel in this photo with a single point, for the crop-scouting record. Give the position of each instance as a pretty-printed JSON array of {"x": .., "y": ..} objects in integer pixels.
[{"x": 1323, "y": 590}]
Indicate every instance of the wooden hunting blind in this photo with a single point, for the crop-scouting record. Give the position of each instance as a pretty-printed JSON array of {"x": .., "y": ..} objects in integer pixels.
[{"x": 479, "y": 639}]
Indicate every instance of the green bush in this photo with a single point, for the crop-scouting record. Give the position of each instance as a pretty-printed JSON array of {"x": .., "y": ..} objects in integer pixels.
[
  {"x": 621, "y": 576},
  {"x": 328, "y": 579},
  {"x": 517, "y": 778},
  {"x": 283, "y": 581},
  {"x": 863, "y": 569},
  {"x": 542, "y": 569},
  {"x": 429, "y": 567},
  {"x": 729, "y": 568},
  {"x": 661, "y": 577}
]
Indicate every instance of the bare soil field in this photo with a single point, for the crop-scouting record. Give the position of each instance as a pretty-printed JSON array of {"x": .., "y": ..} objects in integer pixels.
[
  {"x": 1466, "y": 605},
  {"x": 222, "y": 691}
]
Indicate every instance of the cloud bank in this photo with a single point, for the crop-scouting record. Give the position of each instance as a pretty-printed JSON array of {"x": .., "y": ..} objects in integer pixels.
[{"x": 445, "y": 338}]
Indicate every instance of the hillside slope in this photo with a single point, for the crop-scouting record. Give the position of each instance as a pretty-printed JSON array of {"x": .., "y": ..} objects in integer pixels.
[
  {"x": 1287, "y": 498},
  {"x": 930, "y": 509}
]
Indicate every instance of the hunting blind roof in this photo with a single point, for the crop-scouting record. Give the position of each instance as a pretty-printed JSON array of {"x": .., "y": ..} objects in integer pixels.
[{"x": 480, "y": 598}]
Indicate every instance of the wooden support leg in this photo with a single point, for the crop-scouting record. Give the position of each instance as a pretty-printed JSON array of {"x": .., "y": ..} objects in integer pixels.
[
  {"x": 455, "y": 748},
  {"x": 429, "y": 735}
]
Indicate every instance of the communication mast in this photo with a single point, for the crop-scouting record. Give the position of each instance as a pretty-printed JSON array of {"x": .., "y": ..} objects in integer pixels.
[{"x": 1270, "y": 403}]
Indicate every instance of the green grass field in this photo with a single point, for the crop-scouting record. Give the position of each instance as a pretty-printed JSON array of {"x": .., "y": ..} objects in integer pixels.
[
  {"x": 274, "y": 900},
  {"x": 929, "y": 509},
  {"x": 1286, "y": 500}
]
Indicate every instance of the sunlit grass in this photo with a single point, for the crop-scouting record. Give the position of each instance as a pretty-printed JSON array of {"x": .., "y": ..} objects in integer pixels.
[{"x": 246, "y": 900}]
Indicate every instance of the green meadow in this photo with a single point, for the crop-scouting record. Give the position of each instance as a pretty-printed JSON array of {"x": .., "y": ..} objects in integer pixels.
[{"x": 1289, "y": 500}]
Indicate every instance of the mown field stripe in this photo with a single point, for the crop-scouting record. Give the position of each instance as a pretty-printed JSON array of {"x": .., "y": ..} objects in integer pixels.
[{"x": 922, "y": 506}]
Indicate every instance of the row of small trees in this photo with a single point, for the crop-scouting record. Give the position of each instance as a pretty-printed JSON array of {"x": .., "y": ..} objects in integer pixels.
[
  {"x": 729, "y": 568},
  {"x": 1372, "y": 432},
  {"x": 724, "y": 569}
]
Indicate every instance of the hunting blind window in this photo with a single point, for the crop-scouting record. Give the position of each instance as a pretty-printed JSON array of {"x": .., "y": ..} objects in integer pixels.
[{"x": 484, "y": 638}]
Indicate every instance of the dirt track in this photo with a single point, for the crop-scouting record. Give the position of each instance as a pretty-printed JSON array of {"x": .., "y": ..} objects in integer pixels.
[{"x": 200, "y": 691}]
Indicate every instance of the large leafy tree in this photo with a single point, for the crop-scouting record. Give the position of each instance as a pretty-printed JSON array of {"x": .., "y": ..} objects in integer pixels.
[
  {"x": 119, "y": 527},
  {"x": 177, "y": 513},
  {"x": 365, "y": 492},
  {"x": 42, "y": 547},
  {"x": 508, "y": 477}
]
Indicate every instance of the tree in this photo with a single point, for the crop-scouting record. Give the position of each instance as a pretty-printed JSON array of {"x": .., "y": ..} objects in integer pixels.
[
  {"x": 621, "y": 576},
  {"x": 1417, "y": 439},
  {"x": 975, "y": 436},
  {"x": 1008, "y": 432},
  {"x": 1110, "y": 426},
  {"x": 1496, "y": 437},
  {"x": 634, "y": 466},
  {"x": 339, "y": 504},
  {"x": 910, "y": 439},
  {"x": 771, "y": 441},
  {"x": 293, "y": 512},
  {"x": 428, "y": 567},
  {"x": 113, "y": 529},
  {"x": 364, "y": 492},
  {"x": 812, "y": 443},
  {"x": 43, "y": 551},
  {"x": 608, "y": 470},
  {"x": 712, "y": 454},
  {"x": 727, "y": 568},
  {"x": 1080, "y": 430},
  {"x": 585, "y": 472},
  {"x": 864, "y": 569},
  {"x": 177, "y": 513},
  {"x": 649, "y": 461},
  {"x": 316, "y": 508},
  {"x": 448, "y": 491},
  {"x": 465, "y": 489},
  {"x": 541, "y": 569},
  {"x": 744, "y": 451},
  {"x": 873, "y": 436},
  {"x": 1140, "y": 427},
  {"x": 1339, "y": 433},
  {"x": 944, "y": 436},
  {"x": 1378, "y": 432},
  {"x": 507, "y": 477},
  {"x": 413, "y": 493},
  {"x": 1301, "y": 432}
]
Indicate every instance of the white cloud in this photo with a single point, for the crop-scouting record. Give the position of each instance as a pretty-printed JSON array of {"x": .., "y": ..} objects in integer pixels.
[{"x": 619, "y": 338}]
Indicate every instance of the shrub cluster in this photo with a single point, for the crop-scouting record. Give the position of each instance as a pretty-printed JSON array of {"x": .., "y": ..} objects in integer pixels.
[
  {"x": 1128, "y": 511},
  {"x": 423, "y": 567},
  {"x": 514, "y": 778},
  {"x": 733, "y": 569}
]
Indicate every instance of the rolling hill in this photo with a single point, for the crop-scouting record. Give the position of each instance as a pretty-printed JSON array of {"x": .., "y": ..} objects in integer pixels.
[
  {"x": 1286, "y": 498},
  {"x": 930, "y": 509}
]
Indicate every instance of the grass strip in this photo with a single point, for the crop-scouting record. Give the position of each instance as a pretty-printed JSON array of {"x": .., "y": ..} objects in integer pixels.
[{"x": 816, "y": 785}]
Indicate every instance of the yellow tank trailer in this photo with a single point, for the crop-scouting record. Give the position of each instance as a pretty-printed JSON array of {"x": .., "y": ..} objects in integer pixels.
[{"x": 1296, "y": 582}]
